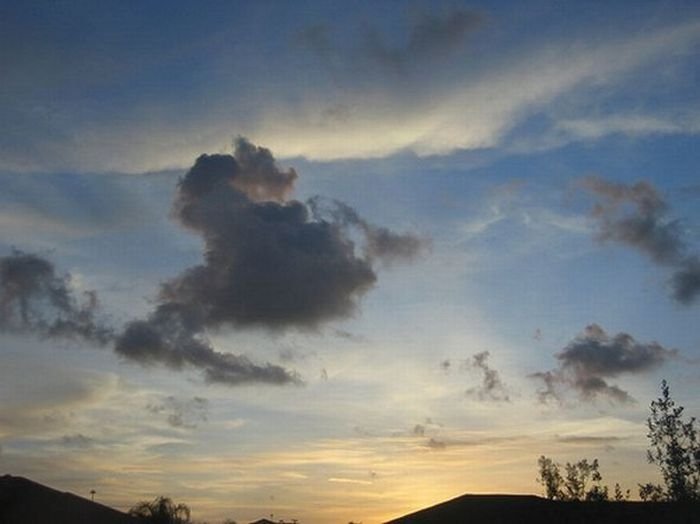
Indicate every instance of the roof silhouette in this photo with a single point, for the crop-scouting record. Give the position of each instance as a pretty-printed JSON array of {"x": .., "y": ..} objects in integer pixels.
[
  {"x": 526, "y": 509},
  {"x": 23, "y": 501}
]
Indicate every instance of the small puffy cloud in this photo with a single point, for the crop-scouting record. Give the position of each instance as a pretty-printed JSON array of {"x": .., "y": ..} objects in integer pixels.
[
  {"x": 77, "y": 441},
  {"x": 434, "y": 443},
  {"x": 491, "y": 387},
  {"x": 593, "y": 357},
  {"x": 181, "y": 413}
]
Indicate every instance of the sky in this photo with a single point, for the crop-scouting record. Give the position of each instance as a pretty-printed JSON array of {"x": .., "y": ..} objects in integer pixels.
[{"x": 339, "y": 261}]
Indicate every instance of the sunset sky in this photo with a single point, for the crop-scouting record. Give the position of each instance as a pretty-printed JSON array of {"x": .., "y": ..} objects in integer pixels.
[{"x": 428, "y": 243}]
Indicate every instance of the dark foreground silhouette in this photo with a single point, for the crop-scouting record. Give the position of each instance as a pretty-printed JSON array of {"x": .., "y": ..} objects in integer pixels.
[
  {"x": 23, "y": 501},
  {"x": 529, "y": 509}
]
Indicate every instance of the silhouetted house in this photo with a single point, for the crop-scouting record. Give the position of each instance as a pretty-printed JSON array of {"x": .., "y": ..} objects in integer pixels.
[
  {"x": 528, "y": 509},
  {"x": 23, "y": 501},
  {"x": 268, "y": 521}
]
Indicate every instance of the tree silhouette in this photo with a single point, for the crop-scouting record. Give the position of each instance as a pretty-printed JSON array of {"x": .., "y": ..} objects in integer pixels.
[
  {"x": 162, "y": 510},
  {"x": 550, "y": 477},
  {"x": 575, "y": 484},
  {"x": 674, "y": 447}
]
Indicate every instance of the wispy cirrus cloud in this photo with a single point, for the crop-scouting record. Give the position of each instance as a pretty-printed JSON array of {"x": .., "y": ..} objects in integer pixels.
[{"x": 430, "y": 86}]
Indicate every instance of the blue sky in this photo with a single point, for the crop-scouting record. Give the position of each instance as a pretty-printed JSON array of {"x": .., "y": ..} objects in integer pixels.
[{"x": 523, "y": 181}]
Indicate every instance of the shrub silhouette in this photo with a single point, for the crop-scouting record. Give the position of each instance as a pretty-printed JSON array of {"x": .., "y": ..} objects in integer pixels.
[{"x": 161, "y": 510}]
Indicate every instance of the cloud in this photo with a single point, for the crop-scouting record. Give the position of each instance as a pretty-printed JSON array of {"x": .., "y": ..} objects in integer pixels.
[
  {"x": 77, "y": 441},
  {"x": 480, "y": 104},
  {"x": 401, "y": 87},
  {"x": 380, "y": 243},
  {"x": 34, "y": 299},
  {"x": 430, "y": 38},
  {"x": 433, "y": 443},
  {"x": 588, "y": 440},
  {"x": 491, "y": 387},
  {"x": 685, "y": 281},
  {"x": 269, "y": 262},
  {"x": 636, "y": 216},
  {"x": 174, "y": 336},
  {"x": 594, "y": 356},
  {"x": 627, "y": 124},
  {"x": 182, "y": 413}
]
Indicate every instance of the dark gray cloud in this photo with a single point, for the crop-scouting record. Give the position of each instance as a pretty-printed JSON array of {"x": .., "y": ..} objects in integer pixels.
[
  {"x": 175, "y": 337},
  {"x": 269, "y": 262},
  {"x": 182, "y": 413},
  {"x": 594, "y": 356},
  {"x": 636, "y": 216},
  {"x": 430, "y": 38},
  {"x": 78, "y": 440},
  {"x": 445, "y": 365},
  {"x": 35, "y": 299},
  {"x": 434, "y": 443},
  {"x": 491, "y": 387},
  {"x": 419, "y": 430},
  {"x": 685, "y": 281}
]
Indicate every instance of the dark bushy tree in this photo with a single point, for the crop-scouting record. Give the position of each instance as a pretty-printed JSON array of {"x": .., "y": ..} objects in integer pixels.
[
  {"x": 674, "y": 447},
  {"x": 162, "y": 510}
]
